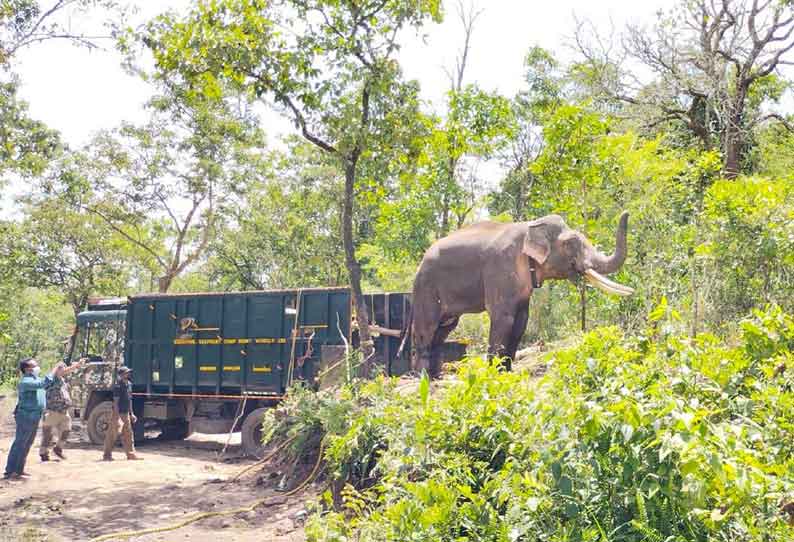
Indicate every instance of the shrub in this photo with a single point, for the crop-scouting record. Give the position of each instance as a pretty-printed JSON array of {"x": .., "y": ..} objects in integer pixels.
[{"x": 623, "y": 439}]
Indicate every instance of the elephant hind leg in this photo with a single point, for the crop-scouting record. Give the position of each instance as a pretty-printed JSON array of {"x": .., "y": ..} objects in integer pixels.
[
  {"x": 439, "y": 339},
  {"x": 426, "y": 319}
]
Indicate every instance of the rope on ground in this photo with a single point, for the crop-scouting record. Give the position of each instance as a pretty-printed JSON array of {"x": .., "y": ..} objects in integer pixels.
[
  {"x": 312, "y": 474},
  {"x": 267, "y": 458},
  {"x": 219, "y": 513}
]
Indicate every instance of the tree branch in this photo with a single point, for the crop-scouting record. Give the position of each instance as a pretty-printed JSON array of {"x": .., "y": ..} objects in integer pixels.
[{"x": 128, "y": 237}]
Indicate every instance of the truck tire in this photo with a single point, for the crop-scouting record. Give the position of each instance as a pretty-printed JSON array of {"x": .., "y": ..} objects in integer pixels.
[
  {"x": 251, "y": 433},
  {"x": 175, "y": 430},
  {"x": 98, "y": 421}
]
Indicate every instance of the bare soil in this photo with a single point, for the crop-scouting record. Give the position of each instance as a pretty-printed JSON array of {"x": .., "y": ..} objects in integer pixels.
[{"x": 82, "y": 497}]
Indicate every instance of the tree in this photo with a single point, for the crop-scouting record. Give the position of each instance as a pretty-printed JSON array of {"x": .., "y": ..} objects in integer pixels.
[
  {"x": 33, "y": 323},
  {"x": 27, "y": 22},
  {"x": 715, "y": 65},
  {"x": 26, "y": 145},
  {"x": 328, "y": 65},
  {"x": 285, "y": 231},
  {"x": 448, "y": 148},
  {"x": 531, "y": 108},
  {"x": 59, "y": 247},
  {"x": 160, "y": 185}
]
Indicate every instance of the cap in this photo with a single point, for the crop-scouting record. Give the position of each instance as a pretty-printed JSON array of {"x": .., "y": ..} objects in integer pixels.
[{"x": 124, "y": 370}]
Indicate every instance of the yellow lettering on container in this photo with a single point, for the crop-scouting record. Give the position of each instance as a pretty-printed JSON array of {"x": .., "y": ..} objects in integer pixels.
[
  {"x": 207, "y": 369},
  {"x": 232, "y": 368}
]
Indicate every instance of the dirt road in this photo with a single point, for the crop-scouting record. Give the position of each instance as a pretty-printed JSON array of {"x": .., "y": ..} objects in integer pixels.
[{"x": 82, "y": 497}]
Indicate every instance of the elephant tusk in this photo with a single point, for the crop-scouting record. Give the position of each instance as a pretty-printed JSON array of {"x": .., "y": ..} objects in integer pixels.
[{"x": 606, "y": 285}]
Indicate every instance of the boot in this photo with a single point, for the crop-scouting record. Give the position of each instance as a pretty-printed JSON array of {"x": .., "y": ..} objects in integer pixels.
[
  {"x": 134, "y": 457},
  {"x": 107, "y": 457},
  {"x": 59, "y": 452},
  {"x": 44, "y": 457}
]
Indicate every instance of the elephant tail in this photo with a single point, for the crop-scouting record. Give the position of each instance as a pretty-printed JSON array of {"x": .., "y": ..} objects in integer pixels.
[{"x": 406, "y": 330}]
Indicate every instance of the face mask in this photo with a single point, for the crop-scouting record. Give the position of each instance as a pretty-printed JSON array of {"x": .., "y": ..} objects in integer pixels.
[{"x": 36, "y": 371}]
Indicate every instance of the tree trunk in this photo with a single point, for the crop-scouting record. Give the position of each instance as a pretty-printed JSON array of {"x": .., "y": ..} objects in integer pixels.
[
  {"x": 354, "y": 270},
  {"x": 732, "y": 150},
  {"x": 444, "y": 230},
  {"x": 164, "y": 283},
  {"x": 733, "y": 134}
]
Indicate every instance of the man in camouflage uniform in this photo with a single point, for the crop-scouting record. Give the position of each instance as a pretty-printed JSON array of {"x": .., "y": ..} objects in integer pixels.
[
  {"x": 57, "y": 422},
  {"x": 97, "y": 375}
]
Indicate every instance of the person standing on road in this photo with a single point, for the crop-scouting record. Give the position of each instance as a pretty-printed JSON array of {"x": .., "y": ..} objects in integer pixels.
[
  {"x": 122, "y": 418},
  {"x": 57, "y": 422},
  {"x": 30, "y": 404}
]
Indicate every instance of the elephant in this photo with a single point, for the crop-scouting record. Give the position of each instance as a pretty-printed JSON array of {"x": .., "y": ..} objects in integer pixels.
[{"x": 494, "y": 267}]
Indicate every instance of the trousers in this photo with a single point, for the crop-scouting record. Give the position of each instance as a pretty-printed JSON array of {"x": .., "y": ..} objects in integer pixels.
[
  {"x": 119, "y": 422},
  {"x": 54, "y": 430},
  {"x": 23, "y": 441}
]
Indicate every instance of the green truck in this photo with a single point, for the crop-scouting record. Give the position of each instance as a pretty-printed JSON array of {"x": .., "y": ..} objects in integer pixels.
[{"x": 212, "y": 362}]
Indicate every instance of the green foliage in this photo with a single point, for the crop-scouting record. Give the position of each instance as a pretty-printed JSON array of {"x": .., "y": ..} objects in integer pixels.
[
  {"x": 284, "y": 231},
  {"x": 33, "y": 323},
  {"x": 622, "y": 439},
  {"x": 26, "y": 145},
  {"x": 62, "y": 248},
  {"x": 750, "y": 232}
]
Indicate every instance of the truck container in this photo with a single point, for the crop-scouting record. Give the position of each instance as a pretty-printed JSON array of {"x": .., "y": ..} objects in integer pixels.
[{"x": 212, "y": 362}]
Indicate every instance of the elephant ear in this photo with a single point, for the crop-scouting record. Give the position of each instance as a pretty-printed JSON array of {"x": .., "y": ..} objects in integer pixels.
[{"x": 536, "y": 243}]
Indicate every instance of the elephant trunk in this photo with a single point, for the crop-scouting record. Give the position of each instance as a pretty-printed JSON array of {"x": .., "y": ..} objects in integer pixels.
[{"x": 609, "y": 264}]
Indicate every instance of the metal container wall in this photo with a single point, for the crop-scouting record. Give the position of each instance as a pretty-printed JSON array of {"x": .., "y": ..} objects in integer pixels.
[
  {"x": 391, "y": 311},
  {"x": 231, "y": 343}
]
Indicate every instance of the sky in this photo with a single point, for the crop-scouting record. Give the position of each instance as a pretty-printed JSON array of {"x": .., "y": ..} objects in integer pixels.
[{"x": 79, "y": 92}]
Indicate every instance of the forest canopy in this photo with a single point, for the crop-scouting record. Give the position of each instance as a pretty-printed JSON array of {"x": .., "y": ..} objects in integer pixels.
[{"x": 199, "y": 196}]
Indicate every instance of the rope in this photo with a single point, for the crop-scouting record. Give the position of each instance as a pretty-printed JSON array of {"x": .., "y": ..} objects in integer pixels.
[
  {"x": 312, "y": 474},
  {"x": 237, "y": 417},
  {"x": 219, "y": 513},
  {"x": 267, "y": 458},
  {"x": 294, "y": 338},
  {"x": 348, "y": 376}
]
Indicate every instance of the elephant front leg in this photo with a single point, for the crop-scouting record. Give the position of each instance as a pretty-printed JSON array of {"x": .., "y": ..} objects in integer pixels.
[{"x": 500, "y": 337}]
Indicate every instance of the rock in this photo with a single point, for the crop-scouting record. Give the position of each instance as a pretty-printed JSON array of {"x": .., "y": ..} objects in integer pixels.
[
  {"x": 284, "y": 526},
  {"x": 300, "y": 517}
]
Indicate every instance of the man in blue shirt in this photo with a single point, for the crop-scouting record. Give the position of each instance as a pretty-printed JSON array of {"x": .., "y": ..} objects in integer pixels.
[{"x": 30, "y": 405}]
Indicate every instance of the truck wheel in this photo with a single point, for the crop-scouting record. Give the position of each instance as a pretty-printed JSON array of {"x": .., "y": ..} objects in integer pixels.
[
  {"x": 98, "y": 421},
  {"x": 251, "y": 433},
  {"x": 175, "y": 430}
]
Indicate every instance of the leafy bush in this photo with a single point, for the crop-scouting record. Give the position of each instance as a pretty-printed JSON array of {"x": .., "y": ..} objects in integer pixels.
[{"x": 623, "y": 439}]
